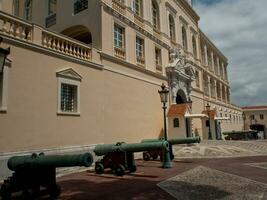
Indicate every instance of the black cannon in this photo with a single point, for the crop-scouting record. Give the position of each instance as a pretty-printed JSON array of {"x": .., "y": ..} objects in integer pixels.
[
  {"x": 35, "y": 172},
  {"x": 154, "y": 154},
  {"x": 120, "y": 157}
]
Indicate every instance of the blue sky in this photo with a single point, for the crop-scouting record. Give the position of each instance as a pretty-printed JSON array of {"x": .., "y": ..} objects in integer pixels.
[{"x": 239, "y": 29}]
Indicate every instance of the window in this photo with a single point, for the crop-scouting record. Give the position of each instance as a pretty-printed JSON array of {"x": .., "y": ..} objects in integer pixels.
[
  {"x": 68, "y": 92},
  {"x": 184, "y": 38},
  {"x": 197, "y": 79},
  {"x": 155, "y": 15},
  {"x": 194, "y": 45},
  {"x": 207, "y": 123},
  {"x": 80, "y": 5},
  {"x": 158, "y": 58},
  {"x": 252, "y": 117},
  {"x": 261, "y": 116},
  {"x": 172, "y": 28},
  {"x": 176, "y": 123},
  {"x": 118, "y": 36},
  {"x": 28, "y": 9},
  {"x": 139, "y": 48},
  {"x": 137, "y": 7}
]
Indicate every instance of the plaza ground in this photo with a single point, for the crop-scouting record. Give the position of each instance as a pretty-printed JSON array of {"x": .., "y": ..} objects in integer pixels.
[
  {"x": 228, "y": 170},
  {"x": 220, "y": 170}
]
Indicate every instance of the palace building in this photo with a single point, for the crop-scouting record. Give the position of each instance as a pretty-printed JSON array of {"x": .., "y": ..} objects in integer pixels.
[{"x": 83, "y": 72}]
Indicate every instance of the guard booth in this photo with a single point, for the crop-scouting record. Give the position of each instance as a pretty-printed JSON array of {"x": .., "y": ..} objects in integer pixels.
[{"x": 178, "y": 125}]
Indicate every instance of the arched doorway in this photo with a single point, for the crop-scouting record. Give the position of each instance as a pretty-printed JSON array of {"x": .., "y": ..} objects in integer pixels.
[
  {"x": 80, "y": 33},
  {"x": 180, "y": 97}
]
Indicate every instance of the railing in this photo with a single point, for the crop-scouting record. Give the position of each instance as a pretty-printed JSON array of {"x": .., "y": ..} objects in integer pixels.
[
  {"x": 119, "y": 52},
  {"x": 51, "y": 20},
  {"x": 14, "y": 27},
  {"x": 65, "y": 45},
  {"x": 20, "y": 29},
  {"x": 119, "y": 6},
  {"x": 140, "y": 61}
]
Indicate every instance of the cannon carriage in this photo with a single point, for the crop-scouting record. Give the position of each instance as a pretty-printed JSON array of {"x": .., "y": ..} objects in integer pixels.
[
  {"x": 155, "y": 154},
  {"x": 35, "y": 172},
  {"x": 120, "y": 157}
]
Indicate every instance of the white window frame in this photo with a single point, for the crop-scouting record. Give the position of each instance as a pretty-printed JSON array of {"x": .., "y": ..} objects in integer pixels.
[
  {"x": 137, "y": 7},
  {"x": 158, "y": 61},
  {"x": 69, "y": 80},
  {"x": 4, "y": 89},
  {"x": 141, "y": 49},
  {"x": 116, "y": 39}
]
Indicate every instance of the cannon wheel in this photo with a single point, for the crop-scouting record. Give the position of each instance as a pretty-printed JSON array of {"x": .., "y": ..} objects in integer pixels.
[
  {"x": 5, "y": 190},
  {"x": 146, "y": 156},
  {"x": 99, "y": 168},
  {"x": 120, "y": 170},
  {"x": 132, "y": 169}
]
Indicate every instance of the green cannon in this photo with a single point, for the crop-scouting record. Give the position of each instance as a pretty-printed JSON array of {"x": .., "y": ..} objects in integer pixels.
[
  {"x": 120, "y": 157},
  {"x": 33, "y": 172},
  {"x": 154, "y": 154}
]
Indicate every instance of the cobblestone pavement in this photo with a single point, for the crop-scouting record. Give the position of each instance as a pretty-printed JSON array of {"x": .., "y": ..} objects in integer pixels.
[{"x": 209, "y": 149}]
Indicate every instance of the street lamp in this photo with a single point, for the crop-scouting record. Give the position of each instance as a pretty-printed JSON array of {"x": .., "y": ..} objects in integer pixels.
[
  {"x": 208, "y": 112},
  {"x": 163, "y": 93},
  {"x": 3, "y": 54}
]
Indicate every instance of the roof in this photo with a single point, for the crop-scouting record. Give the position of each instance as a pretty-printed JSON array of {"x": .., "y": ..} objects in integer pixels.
[
  {"x": 212, "y": 113},
  {"x": 253, "y": 107},
  {"x": 177, "y": 110}
]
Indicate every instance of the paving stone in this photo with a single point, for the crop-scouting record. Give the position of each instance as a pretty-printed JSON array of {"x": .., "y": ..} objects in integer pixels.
[{"x": 202, "y": 183}]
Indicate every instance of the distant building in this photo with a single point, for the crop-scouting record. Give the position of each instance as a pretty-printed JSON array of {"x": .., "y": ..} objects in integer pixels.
[{"x": 255, "y": 118}]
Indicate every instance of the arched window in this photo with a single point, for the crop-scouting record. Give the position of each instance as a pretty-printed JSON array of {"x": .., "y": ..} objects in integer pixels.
[
  {"x": 194, "y": 45},
  {"x": 172, "y": 27},
  {"x": 137, "y": 7},
  {"x": 28, "y": 9},
  {"x": 184, "y": 38},
  {"x": 155, "y": 14},
  {"x": 176, "y": 123}
]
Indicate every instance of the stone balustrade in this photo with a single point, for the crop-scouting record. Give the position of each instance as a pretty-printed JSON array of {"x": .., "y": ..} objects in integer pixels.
[
  {"x": 120, "y": 53},
  {"x": 65, "y": 45},
  {"x": 140, "y": 61},
  {"x": 15, "y": 27},
  {"x": 20, "y": 29}
]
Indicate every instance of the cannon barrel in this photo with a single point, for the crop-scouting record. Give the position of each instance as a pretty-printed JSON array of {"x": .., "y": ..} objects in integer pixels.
[
  {"x": 103, "y": 149},
  {"x": 188, "y": 140},
  {"x": 42, "y": 161}
]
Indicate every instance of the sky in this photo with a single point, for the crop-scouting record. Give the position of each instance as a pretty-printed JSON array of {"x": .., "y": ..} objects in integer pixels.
[{"x": 239, "y": 29}]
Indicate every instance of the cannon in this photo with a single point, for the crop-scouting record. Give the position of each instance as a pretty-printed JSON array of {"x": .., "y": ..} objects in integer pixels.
[
  {"x": 154, "y": 154},
  {"x": 119, "y": 157},
  {"x": 33, "y": 172}
]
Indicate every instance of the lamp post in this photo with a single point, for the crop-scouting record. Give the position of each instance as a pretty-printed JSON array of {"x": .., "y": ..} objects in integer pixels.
[
  {"x": 164, "y": 99},
  {"x": 3, "y": 54},
  {"x": 208, "y": 112}
]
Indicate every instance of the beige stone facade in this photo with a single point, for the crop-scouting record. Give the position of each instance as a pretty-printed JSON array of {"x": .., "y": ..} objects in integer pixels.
[{"x": 87, "y": 72}]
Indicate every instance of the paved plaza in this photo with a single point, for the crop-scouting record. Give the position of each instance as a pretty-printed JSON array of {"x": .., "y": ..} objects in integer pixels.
[
  {"x": 231, "y": 170},
  {"x": 206, "y": 171}
]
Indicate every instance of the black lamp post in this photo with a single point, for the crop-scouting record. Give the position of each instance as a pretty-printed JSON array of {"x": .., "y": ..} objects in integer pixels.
[
  {"x": 164, "y": 99},
  {"x": 3, "y": 54},
  {"x": 208, "y": 112}
]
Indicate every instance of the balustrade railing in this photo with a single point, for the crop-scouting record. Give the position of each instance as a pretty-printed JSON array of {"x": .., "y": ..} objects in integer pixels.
[
  {"x": 20, "y": 29},
  {"x": 140, "y": 61},
  {"x": 65, "y": 45},
  {"x": 15, "y": 27},
  {"x": 119, "y": 52}
]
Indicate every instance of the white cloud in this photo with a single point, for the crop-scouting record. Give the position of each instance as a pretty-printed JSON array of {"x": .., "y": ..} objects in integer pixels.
[{"x": 239, "y": 29}]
